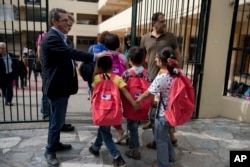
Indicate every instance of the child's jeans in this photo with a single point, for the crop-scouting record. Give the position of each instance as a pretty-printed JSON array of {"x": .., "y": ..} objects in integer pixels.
[
  {"x": 165, "y": 150},
  {"x": 105, "y": 136},
  {"x": 132, "y": 126}
]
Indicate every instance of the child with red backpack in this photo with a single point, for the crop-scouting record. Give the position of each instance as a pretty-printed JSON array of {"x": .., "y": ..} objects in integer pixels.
[
  {"x": 138, "y": 81},
  {"x": 160, "y": 88},
  {"x": 112, "y": 43},
  {"x": 106, "y": 107}
]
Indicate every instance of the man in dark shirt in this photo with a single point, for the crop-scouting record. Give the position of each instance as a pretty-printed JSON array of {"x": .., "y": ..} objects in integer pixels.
[{"x": 8, "y": 73}]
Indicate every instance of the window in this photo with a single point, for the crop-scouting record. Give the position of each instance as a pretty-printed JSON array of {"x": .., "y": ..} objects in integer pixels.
[
  {"x": 35, "y": 14},
  {"x": 86, "y": 19},
  {"x": 87, "y": 41},
  {"x": 10, "y": 38}
]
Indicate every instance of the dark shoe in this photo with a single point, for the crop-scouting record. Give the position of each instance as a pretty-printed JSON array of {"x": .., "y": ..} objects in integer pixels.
[
  {"x": 119, "y": 162},
  {"x": 174, "y": 143},
  {"x": 51, "y": 159},
  {"x": 134, "y": 154},
  {"x": 64, "y": 147},
  {"x": 174, "y": 161},
  {"x": 68, "y": 124},
  {"x": 148, "y": 126},
  {"x": 9, "y": 104},
  {"x": 151, "y": 145},
  {"x": 67, "y": 128},
  {"x": 95, "y": 153}
]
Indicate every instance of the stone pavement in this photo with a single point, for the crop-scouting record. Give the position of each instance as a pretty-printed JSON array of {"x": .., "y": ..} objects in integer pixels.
[{"x": 201, "y": 142}]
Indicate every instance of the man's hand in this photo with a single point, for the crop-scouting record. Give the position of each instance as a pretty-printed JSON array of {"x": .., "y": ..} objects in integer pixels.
[{"x": 105, "y": 53}]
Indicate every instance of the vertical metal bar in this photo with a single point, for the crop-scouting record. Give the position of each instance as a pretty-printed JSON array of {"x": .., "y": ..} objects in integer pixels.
[
  {"x": 133, "y": 21},
  {"x": 230, "y": 49},
  {"x": 204, "y": 21},
  {"x": 47, "y": 15},
  {"x": 139, "y": 21},
  {"x": 180, "y": 31},
  {"x": 21, "y": 51},
  {"x": 175, "y": 16},
  {"x": 146, "y": 22}
]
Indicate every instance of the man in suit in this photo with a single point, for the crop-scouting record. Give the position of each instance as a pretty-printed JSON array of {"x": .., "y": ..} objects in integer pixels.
[
  {"x": 69, "y": 127},
  {"x": 60, "y": 78},
  {"x": 8, "y": 73}
]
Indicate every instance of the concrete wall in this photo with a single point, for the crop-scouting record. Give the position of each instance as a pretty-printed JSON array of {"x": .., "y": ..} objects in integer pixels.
[{"x": 212, "y": 103}]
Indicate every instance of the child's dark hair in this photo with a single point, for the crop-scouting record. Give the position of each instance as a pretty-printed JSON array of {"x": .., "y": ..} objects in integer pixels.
[
  {"x": 136, "y": 55},
  {"x": 166, "y": 55},
  {"x": 102, "y": 36},
  {"x": 127, "y": 37},
  {"x": 112, "y": 41},
  {"x": 105, "y": 63}
]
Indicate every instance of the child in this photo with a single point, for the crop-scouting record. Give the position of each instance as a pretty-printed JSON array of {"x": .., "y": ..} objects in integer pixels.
[
  {"x": 135, "y": 58},
  {"x": 105, "y": 65},
  {"x": 112, "y": 43},
  {"x": 160, "y": 88},
  {"x": 95, "y": 49}
]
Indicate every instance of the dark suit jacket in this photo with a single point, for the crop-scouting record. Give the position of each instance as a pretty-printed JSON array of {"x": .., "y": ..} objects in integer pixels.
[
  {"x": 59, "y": 76},
  {"x": 3, "y": 69}
]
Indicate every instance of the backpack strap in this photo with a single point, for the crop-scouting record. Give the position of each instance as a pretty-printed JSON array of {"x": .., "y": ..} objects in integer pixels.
[
  {"x": 158, "y": 107},
  {"x": 133, "y": 74},
  {"x": 105, "y": 76}
]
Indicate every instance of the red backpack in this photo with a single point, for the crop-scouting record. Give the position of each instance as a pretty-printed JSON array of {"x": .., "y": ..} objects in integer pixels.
[
  {"x": 181, "y": 104},
  {"x": 136, "y": 85},
  {"x": 106, "y": 102}
]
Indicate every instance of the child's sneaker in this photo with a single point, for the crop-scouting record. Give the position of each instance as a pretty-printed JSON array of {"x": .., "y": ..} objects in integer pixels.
[
  {"x": 95, "y": 153},
  {"x": 133, "y": 153},
  {"x": 119, "y": 162}
]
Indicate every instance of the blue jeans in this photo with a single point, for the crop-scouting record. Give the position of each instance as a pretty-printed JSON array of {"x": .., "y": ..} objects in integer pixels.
[
  {"x": 105, "y": 136},
  {"x": 165, "y": 150},
  {"x": 134, "y": 136},
  {"x": 56, "y": 122}
]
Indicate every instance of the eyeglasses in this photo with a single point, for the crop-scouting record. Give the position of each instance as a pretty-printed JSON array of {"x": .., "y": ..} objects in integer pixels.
[
  {"x": 64, "y": 20},
  {"x": 161, "y": 21}
]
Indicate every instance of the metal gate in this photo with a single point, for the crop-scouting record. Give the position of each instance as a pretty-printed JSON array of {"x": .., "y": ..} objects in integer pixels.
[
  {"x": 188, "y": 20},
  {"x": 21, "y": 22}
]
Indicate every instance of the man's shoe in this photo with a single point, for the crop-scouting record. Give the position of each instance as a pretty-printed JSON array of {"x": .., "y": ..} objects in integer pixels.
[
  {"x": 9, "y": 104},
  {"x": 68, "y": 124},
  {"x": 67, "y": 128},
  {"x": 64, "y": 147},
  {"x": 51, "y": 159},
  {"x": 95, "y": 153},
  {"x": 119, "y": 162}
]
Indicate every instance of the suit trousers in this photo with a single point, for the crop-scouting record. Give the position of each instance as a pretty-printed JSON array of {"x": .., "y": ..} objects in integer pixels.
[
  {"x": 56, "y": 122},
  {"x": 7, "y": 88}
]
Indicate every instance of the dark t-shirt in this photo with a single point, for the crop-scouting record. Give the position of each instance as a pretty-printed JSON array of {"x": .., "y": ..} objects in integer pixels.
[{"x": 151, "y": 45}]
